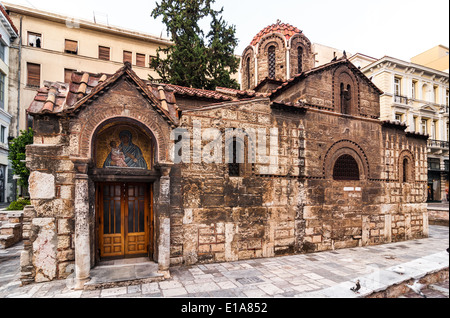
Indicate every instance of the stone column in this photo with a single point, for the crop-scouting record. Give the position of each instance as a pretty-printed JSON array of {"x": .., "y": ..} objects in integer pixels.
[
  {"x": 82, "y": 241},
  {"x": 163, "y": 212}
]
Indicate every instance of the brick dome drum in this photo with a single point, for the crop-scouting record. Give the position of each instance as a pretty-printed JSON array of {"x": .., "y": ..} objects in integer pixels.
[{"x": 276, "y": 54}]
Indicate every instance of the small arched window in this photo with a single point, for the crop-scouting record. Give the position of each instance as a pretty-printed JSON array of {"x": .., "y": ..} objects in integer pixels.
[
  {"x": 405, "y": 170},
  {"x": 299, "y": 59},
  {"x": 346, "y": 98},
  {"x": 248, "y": 73},
  {"x": 346, "y": 168},
  {"x": 271, "y": 61}
]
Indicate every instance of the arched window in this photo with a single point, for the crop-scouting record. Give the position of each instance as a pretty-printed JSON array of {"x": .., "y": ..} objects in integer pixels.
[
  {"x": 234, "y": 167},
  {"x": 405, "y": 170},
  {"x": 346, "y": 168},
  {"x": 271, "y": 61},
  {"x": 299, "y": 59},
  {"x": 248, "y": 74},
  {"x": 346, "y": 98}
]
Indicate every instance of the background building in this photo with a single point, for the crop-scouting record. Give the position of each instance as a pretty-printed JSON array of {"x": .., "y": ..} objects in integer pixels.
[
  {"x": 436, "y": 58},
  {"x": 418, "y": 96},
  {"x": 53, "y": 46},
  {"x": 8, "y": 33}
]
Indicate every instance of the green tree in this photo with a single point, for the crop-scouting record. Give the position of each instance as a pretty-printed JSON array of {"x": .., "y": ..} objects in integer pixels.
[
  {"x": 17, "y": 155},
  {"x": 195, "y": 60}
]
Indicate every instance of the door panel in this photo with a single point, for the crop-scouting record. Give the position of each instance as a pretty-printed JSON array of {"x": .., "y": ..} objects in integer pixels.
[
  {"x": 111, "y": 227},
  {"x": 137, "y": 211},
  {"x": 124, "y": 219}
]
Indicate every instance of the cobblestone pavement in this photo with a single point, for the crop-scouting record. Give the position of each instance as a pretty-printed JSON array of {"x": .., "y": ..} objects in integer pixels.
[{"x": 323, "y": 274}]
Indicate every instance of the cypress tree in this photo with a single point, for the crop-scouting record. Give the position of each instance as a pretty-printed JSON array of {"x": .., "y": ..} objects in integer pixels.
[{"x": 195, "y": 60}]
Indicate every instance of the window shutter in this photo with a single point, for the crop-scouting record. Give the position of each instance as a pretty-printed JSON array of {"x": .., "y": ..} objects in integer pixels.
[
  {"x": 127, "y": 56},
  {"x": 140, "y": 59},
  {"x": 71, "y": 47},
  {"x": 34, "y": 74},
  {"x": 103, "y": 53}
]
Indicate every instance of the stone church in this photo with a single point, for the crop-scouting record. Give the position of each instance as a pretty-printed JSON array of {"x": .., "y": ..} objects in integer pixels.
[{"x": 122, "y": 167}]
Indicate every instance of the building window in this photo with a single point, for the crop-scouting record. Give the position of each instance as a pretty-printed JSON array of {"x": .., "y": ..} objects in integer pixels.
[
  {"x": 436, "y": 94},
  {"x": 140, "y": 59},
  {"x": 34, "y": 39},
  {"x": 424, "y": 126},
  {"x": 433, "y": 130},
  {"x": 127, "y": 57},
  {"x": 446, "y": 98},
  {"x": 346, "y": 98},
  {"x": 234, "y": 166},
  {"x": 414, "y": 124},
  {"x": 3, "y": 135},
  {"x": 434, "y": 164},
  {"x": 299, "y": 59},
  {"x": 33, "y": 75},
  {"x": 2, "y": 51},
  {"x": 2, "y": 90},
  {"x": 413, "y": 89},
  {"x": 248, "y": 73},
  {"x": 103, "y": 53},
  {"x": 398, "y": 86},
  {"x": 399, "y": 117},
  {"x": 405, "y": 170},
  {"x": 68, "y": 75},
  {"x": 71, "y": 47},
  {"x": 271, "y": 61},
  {"x": 346, "y": 168}
]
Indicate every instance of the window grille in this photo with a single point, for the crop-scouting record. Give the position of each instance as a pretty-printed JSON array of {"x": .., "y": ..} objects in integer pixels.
[
  {"x": 346, "y": 168},
  {"x": 300, "y": 59},
  {"x": 272, "y": 62}
]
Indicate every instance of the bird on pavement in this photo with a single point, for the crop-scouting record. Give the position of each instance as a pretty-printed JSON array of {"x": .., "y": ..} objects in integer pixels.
[
  {"x": 417, "y": 288},
  {"x": 357, "y": 287}
]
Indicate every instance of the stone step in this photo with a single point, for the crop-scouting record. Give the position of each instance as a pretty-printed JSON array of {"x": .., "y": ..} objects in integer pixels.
[
  {"x": 10, "y": 234},
  {"x": 10, "y": 228},
  {"x": 6, "y": 241}
]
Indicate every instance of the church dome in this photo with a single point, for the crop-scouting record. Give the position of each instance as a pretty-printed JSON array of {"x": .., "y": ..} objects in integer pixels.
[{"x": 284, "y": 28}]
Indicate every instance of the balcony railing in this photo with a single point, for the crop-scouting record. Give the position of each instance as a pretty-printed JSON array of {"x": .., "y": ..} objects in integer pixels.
[
  {"x": 438, "y": 144},
  {"x": 401, "y": 99}
]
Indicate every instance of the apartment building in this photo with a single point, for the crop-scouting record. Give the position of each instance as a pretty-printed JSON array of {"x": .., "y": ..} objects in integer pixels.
[
  {"x": 436, "y": 58},
  {"x": 53, "y": 46},
  {"x": 418, "y": 96},
  {"x": 8, "y": 32}
]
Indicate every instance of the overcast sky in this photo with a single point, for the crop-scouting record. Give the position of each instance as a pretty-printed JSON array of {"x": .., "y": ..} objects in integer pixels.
[{"x": 397, "y": 28}]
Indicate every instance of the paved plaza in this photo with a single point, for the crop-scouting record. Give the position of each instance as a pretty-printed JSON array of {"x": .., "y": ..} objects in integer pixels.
[{"x": 320, "y": 275}]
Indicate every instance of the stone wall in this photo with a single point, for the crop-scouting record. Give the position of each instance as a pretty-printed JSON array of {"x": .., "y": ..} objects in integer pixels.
[{"x": 217, "y": 217}]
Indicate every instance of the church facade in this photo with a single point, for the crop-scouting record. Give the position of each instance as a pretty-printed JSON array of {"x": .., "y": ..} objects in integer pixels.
[{"x": 295, "y": 162}]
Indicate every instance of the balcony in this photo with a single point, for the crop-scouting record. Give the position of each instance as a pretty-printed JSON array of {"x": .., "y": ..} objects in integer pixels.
[
  {"x": 438, "y": 146},
  {"x": 401, "y": 100}
]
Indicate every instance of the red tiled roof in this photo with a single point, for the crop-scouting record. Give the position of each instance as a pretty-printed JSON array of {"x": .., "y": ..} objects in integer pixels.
[
  {"x": 284, "y": 28},
  {"x": 60, "y": 98}
]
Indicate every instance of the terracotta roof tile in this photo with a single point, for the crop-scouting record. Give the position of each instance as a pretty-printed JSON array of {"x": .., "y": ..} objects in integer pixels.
[{"x": 284, "y": 28}]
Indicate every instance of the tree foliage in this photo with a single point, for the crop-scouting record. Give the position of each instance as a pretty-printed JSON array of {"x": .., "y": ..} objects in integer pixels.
[
  {"x": 16, "y": 155},
  {"x": 196, "y": 59}
]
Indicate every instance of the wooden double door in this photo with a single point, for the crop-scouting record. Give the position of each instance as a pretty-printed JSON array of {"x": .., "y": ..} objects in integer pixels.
[{"x": 125, "y": 219}]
